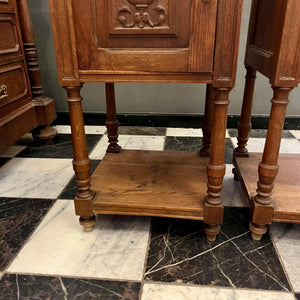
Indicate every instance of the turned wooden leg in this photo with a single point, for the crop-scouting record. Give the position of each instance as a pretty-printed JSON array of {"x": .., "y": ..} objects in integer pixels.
[
  {"x": 208, "y": 120},
  {"x": 112, "y": 123},
  {"x": 213, "y": 205},
  {"x": 244, "y": 126},
  {"x": 81, "y": 162},
  {"x": 261, "y": 207}
]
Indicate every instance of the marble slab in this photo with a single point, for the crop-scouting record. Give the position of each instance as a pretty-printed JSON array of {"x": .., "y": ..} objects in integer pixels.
[
  {"x": 59, "y": 147},
  {"x": 196, "y": 132},
  {"x": 35, "y": 177},
  {"x": 286, "y": 238},
  {"x": 66, "y": 129},
  {"x": 188, "y": 143},
  {"x": 232, "y": 193},
  {"x": 288, "y": 145},
  {"x": 140, "y": 130},
  {"x": 18, "y": 218},
  {"x": 115, "y": 249},
  {"x": 12, "y": 151},
  {"x": 135, "y": 142},
  {"x": 259, "y": 133},
  {"x": 180, "y": 253},
  {"x": 295, "y": 133},
  {"x": 181, "y": 292},
  {"x": 70, "y": 190},
  {"x": 14, "y": 286}
]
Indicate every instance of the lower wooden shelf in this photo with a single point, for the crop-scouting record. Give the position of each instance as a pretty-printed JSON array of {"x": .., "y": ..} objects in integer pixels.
[
  {"x": 151, "y": 183},
  {"x": 286, "y": 192}
]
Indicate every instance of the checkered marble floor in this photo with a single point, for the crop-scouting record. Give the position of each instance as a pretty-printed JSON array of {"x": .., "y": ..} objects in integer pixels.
[{"x": 46, "y": 255}]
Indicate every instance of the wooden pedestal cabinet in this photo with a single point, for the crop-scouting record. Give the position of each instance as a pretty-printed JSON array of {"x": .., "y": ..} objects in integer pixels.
[
  {"x": 274, "y": 50},
  {"x": 192, "y": 41},
  {"x": 22, "y": 105}
]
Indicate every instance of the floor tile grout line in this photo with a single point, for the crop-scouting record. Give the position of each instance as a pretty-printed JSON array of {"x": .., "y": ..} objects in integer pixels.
[
  {"x": 146, "y": 258},
  {"x": 280, "y": 259},
  {"x": 213, "y": 287}
]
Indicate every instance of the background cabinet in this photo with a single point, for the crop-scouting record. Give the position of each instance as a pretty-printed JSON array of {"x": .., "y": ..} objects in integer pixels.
[
  {"x": 274, "y": 50},
  {"x": 22, "y": 105}
]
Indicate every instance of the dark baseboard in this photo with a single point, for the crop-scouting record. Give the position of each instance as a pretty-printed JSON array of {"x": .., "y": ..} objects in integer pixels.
[{"x": 183, "y": 121}]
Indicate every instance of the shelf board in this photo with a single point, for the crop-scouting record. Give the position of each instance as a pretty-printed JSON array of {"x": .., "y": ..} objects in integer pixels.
[
  {"x": 286, "y": 192},
  {"x": 151, "y": 183}
]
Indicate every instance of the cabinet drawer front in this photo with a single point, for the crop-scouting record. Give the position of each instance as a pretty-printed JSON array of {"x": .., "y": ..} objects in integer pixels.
[
  {"x": 9, "y": 41},
  {"x": 6, "y": 6},
  {"x": 145, "y": 35},
  {"x": 13, "y": 83}
]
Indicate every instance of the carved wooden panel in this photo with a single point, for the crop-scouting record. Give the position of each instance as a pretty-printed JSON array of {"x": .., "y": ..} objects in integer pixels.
[
  {"x": 13, "y": 82},
  {"x": 141, "y": 16},
  {"x": 9, "y": 42}
]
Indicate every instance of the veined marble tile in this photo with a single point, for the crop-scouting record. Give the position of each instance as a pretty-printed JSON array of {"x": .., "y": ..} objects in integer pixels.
[
  {"x": 169, "y": 292},
  {"x": 257, "y": 145},
  {"x": 141, "y": 130},
  {"x": 180, "y": 253},
  {"x": 287, "y": 240},
  {"x": 295, "y": 133},
  {"x": 66, "y": 129},
  {"x": 197, "y": 132},
  {"x": 136, "y": 142},
  {"x": 14, "y": 286},
  {"x": 115, "y": 249},
  {"x": 35, "y": 177},
  {"x": 12, "y": 151},
  {"x": 18, "y": 219},
  {"x": 232, "y": 193}
]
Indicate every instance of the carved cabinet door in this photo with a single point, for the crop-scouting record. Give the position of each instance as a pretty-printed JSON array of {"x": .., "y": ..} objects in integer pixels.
[{"x": 145, "y": 35}]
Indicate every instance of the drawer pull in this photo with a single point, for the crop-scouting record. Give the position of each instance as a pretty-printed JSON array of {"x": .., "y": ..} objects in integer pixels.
[{"x": 3, "y": 91}]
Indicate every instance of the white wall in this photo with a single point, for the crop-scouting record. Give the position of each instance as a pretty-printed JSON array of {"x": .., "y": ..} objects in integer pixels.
[{"x": 148, "y": 98}]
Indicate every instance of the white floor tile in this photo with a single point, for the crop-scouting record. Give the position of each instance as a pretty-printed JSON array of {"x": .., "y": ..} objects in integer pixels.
[
  {"x": 135, "y": 142},
  {"x": 170, "y": 292},
  {"x": 295, "y": 133},
  {"x": 287, "y": 240},
  {"x": 191, "y": 132},
  {"x": 35, "y": 177},
  {"x": 12, "y": 151},
  {"x": 66, "y": 129},
  {"x": 257, "y": 145},
  {"x": 232, "y": 193},
  {"x": 115, "y": 249},
  {"x": 196, "y": 132}
]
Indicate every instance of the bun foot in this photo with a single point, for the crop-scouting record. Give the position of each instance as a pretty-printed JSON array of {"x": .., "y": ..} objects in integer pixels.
[
  {"x": 113, "y": 148},
  {"x": 211, "y": 232},
  {"x": 257, "y": 231},
  {"x": 87, "y": 223},
  {"x": 235, "y": 176}
]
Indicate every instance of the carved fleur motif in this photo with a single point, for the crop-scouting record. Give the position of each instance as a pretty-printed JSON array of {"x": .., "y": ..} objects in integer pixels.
[{"x": 141, "y": 16}]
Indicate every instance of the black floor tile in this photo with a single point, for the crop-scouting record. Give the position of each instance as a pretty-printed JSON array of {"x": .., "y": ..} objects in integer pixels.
[
  {"x": 18, "y": 218},
  {"x": 159, "y": 131},
  {"x": 58, "y": 147},
  {"x": 14, "y": 286},
  {"x": 69, "y": 191},
  {"x": 297, "y": 296},
  {"x": 260, "y": 133},
  {"x": 179, "y": 252},
  {"x": 175, "y": 143},
  {"x": 179, "y": 143}
]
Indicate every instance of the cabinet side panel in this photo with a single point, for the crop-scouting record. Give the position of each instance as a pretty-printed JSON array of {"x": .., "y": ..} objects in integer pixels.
[
  {"x": 227, "y": 40},
  {"x": 288, "y": 58},
  {"x": 64, "y": 41}
]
